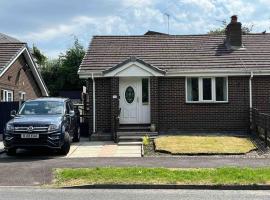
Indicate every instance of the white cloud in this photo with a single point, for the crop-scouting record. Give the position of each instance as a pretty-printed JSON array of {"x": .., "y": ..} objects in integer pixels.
[
  {"x": 267, "y": 2},
  {"x": 239, "y": 7},
  {"x": 96, "y": 25},
  {"x": 206, "y": 5},
  {"x": 137, "y": 3},
  {"x": 138, "y": 16},
  {"x": 258, "y": 25}
]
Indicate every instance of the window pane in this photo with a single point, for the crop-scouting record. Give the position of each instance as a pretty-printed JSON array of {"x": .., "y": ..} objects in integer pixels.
[
  {"x": 22, "y": 96},
  {"x": 221, "y": 89},
  {"x": 5, "y": 95},
  {"x": 9, "y": 97},
  {"x": 193, "y": 89},
  {"x": 145, "y": 90},
  {"x": 207, "y": 89}
]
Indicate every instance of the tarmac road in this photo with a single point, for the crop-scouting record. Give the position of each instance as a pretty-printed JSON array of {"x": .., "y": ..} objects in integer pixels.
[{"x": 115, "y": 194}]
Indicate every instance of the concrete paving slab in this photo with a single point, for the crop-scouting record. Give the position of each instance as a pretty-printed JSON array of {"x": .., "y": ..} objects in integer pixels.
[
  {"x": 131, "y": 149},
  {"x": 128, "y": 155},
  {"x": 103, "y": 149},
  {"x": 128, "y": 151}
]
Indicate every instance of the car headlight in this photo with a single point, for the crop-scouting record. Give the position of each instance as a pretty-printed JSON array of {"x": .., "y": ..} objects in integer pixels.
[
  {"x": 53, "y": 127},
  {"x": 10, "y": 127}
]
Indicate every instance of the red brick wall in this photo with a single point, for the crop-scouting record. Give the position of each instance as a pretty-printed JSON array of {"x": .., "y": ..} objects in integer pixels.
[
  {"x": 18, "y": 78},
  {"x": 170, "y": 111},
  {"x": 103, "y": 104},
  {"x": 261, "y": 93},
  {"x": 175, "y": 114}
]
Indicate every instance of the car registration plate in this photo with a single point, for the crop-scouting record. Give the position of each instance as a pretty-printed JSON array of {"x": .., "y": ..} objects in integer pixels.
[{"x": 30, "y": 136}]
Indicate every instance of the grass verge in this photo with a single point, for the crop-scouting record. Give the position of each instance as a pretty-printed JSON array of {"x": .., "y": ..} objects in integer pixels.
[
  {"x": 137, "y": 175},
  {"x": 204, "y": 144}
]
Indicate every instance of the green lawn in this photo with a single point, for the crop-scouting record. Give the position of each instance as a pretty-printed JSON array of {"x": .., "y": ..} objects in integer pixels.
[
  {"x": 204, "y": 144},
  {"x": 136, "y": 175}
]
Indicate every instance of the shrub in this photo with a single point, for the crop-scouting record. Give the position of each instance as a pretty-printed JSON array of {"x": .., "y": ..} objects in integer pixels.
[{"x": 146, "y": 140}]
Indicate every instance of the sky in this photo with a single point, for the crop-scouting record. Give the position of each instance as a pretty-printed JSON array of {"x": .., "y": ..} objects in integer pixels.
[{"x": 51, "y": 25}]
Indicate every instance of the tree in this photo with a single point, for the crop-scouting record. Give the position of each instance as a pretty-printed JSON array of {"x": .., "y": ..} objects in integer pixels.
[
  {"x": 70, "y": 63},
  {"x": 41, "y": 59},
  {"x": 61, "y": 74},
  {"x": 50, "y": 74},
  {"x": 221, "y": 30}
]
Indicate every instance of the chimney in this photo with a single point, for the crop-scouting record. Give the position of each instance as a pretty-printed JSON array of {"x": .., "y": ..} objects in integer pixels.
[{"x": 234, "y": 33}]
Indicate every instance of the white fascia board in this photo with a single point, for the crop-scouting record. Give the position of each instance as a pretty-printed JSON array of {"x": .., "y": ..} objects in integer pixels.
[
  {"x": 133, "y": 69},
  {"x": 232, "y": 72},
  {"x": 87, "y": 75},
  {"x": 12, "y": 61}
]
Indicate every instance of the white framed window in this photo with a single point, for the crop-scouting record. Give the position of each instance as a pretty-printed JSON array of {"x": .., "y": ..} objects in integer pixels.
[
  {"x": 6, "y": 95},
  {"x": 206, "y": 89},
  {"x": 22, "y": 96}
]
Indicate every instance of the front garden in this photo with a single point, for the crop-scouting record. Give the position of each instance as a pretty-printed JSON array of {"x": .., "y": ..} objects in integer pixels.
[{"x": 199, "y": 145}]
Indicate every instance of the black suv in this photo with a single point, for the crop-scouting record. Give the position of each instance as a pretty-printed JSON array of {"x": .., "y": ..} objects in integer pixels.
[{"x": 43, "y": 122}]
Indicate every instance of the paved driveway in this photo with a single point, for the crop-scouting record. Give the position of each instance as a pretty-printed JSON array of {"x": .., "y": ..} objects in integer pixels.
[
  {"x": 87, "y": 149},
  {"x": 103, "y": 149}
]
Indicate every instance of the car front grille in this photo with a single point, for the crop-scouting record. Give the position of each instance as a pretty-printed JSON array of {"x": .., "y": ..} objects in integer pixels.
[{"x": 31, "y": 128}]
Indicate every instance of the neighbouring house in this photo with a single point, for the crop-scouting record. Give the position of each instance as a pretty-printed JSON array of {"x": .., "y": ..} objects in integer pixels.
[
  {"x": 177, "y": 82},
  {"x": 19, "y": 77}
]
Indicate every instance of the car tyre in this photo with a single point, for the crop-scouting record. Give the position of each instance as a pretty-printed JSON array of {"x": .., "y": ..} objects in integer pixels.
[
  {"x": 66, "y": 146},
  {"x": 77, "y": 135},
  {"x": 11, "y": 152}
]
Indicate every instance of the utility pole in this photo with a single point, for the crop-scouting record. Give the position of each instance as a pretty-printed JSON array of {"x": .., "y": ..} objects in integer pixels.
[{"x": 168, "y": 22}]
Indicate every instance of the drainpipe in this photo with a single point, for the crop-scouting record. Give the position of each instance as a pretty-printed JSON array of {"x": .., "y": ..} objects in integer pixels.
[
  {"x": 94, "y": 104},
  {"x": 250, "y": 96}
]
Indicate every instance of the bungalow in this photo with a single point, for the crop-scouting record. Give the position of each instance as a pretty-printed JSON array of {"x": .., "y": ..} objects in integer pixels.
[
  {"x": 19, "y": 76},
  {"x": 177, "y": 82}
]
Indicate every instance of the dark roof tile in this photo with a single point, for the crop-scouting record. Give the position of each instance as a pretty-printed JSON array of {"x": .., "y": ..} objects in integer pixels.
[
  {"x": 175, "y": 52},
  {"x": 9, "y": 48}
]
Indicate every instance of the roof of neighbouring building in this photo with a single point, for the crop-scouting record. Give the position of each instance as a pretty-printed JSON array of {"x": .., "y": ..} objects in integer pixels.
[
  {"x": 177, "y": 52},
  {"x": 9, "y": 48}
]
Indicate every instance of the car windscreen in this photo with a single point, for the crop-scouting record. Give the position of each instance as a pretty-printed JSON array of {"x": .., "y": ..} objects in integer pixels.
[{"x": 42, "y": 108}]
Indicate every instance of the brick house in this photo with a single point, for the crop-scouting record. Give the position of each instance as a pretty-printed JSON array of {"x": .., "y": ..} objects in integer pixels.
[
  {"x": 19, "y": 76},
  {"x": 177, "y": 82}
]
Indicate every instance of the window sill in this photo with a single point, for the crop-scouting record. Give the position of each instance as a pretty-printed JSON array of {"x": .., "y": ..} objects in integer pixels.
[{"x": 206, "y": 102}]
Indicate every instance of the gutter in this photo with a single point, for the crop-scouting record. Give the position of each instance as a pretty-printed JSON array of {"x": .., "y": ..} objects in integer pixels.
[
  {"x": 250, "y": 95},
  {"x": 94, "y": 104},
  {"x": 250, "y": 89}
]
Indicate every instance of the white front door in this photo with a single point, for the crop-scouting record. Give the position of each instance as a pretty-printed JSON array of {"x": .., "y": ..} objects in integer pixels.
[{"x": 134, "y": 100}]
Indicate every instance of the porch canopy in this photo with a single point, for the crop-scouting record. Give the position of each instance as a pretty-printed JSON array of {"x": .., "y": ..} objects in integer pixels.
[{"x": 133, "y": 67}]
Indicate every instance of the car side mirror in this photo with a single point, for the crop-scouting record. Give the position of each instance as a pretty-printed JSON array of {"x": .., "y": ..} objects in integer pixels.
[
  {"x": 13, "y": 113},
  {"x": 71, "y": 113}
]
